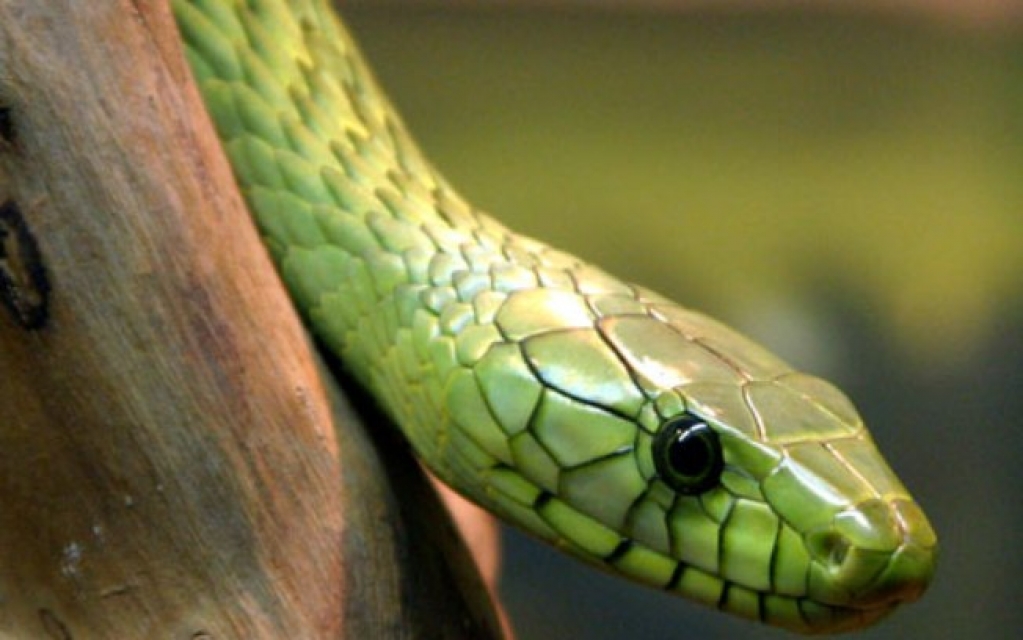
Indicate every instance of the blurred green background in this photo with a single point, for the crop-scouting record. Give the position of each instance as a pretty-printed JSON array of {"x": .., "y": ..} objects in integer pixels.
[{"x": 843, "y": 186}]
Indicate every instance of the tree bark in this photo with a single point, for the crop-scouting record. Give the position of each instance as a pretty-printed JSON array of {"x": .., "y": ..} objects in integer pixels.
[{"x": 173, "y": 463}]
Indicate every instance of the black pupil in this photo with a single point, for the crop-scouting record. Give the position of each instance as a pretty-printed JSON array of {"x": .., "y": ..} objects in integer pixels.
[{"x": 689, "y": 454}]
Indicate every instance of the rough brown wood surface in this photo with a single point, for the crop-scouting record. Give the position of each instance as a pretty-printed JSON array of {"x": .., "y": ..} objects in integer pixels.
[{"x": 172, "y": 462}]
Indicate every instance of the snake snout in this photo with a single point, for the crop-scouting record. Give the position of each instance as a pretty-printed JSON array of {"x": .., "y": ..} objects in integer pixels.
[{"x": 876, "y": 554}]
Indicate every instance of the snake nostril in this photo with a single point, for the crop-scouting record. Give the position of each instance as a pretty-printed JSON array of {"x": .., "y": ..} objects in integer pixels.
[
  {"x": 830, "y": 548},
  {"x": 839, "y": 551}
]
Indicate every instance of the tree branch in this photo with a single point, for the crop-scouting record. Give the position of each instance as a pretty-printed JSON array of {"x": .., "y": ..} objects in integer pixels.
[{"x": 172, "y": 463}]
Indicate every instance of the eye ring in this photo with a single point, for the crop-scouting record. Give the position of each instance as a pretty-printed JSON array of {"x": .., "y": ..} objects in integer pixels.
[{"x": 687, "y": 454}]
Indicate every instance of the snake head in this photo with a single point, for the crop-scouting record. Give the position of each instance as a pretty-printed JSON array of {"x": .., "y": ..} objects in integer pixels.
[
  {"x": 660, "y": 444},
  {"x": 777, "y": 504}
]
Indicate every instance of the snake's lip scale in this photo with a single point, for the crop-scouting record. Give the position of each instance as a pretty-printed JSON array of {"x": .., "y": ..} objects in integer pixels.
[
  {"x": 812, "y": 617},
  {"x": 904, "y": 579},
  {"x": 886, "y": 592},
  {"x": 817, "y": 617},
  {"x": 844, "y": 619}
]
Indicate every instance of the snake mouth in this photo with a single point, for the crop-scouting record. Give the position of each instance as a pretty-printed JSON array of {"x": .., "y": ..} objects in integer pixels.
[
  {"x": 902, "y": 578},
  {"x": 802, "y": 614},
  {"x": 799, "y": 613},
  {"x": 823, "y": 618}
]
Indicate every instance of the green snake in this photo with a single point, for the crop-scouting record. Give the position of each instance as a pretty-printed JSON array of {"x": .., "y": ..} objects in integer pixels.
[{"x": 643, "y": 437}]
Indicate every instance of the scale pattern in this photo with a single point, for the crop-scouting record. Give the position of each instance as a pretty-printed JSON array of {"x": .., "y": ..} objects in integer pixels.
[{"x": 530, "y": 381}]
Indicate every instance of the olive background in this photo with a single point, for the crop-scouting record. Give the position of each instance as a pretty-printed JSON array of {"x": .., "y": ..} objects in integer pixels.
[{"x": 843, "y": 186}]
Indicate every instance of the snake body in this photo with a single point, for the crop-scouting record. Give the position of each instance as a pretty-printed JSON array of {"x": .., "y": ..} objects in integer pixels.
[{"x": 636, "y": 434}]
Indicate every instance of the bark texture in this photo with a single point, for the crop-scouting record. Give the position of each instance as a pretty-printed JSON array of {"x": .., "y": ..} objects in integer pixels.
[{"x": 173, "y": 463}]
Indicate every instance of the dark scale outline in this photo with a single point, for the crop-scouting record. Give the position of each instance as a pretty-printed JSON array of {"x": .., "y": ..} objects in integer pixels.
[
  {"x": 629, "y": 524},
  {"x": 703, "y": 505},
  {"x": 681, "y": 396},
  {"x": 468, "y": 433},
  {"x": 530, "y": 421},
  {"x": 531, "y": 430},
  {"x": 620, "y": 452},
  {"x": 802, "y": 613},
  {"x": 676, "y": 577},
  {"x": 784, "y": 448},
  {"x": 726, "y": 592},
  {"x": 722, "y": 527},
  {"x": 740, "y": 471},
  {"x": 541, "y": 501},
  {"x": 636, "y": 449},
  {"x": 673, "y": 544},
  {"x": 632, "y": 373},
  {"x": 539, "y": 378},
  {"x": 505, "y": 338},
  {"x": 722, "y": 602},
  {"x": 546, "y": 498},
  {"x": 619, "y": 551},
  {"x": 772, "y": 561},
  {"x": 772, "y": 566}
]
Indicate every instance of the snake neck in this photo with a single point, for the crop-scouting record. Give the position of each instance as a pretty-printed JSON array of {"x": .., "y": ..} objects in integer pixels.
[{"x": 392, "y": 269}]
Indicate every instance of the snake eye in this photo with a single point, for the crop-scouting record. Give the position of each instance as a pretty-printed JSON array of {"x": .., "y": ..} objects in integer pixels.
[{"x": 687, "y": 454}]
